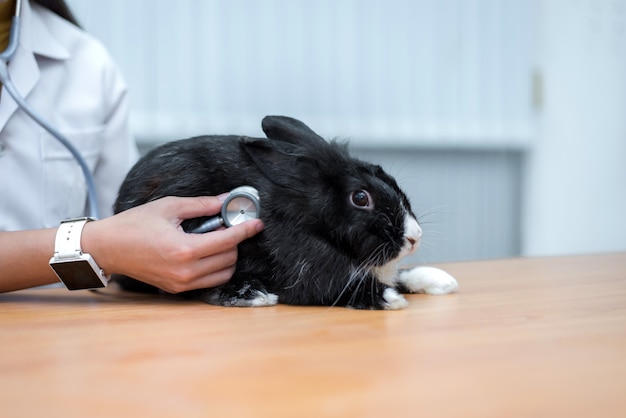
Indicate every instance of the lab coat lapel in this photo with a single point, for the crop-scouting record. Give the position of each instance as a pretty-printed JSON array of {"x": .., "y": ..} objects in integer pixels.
[
  {"x": 24, "y": 72},
  {"x": 35, "y": 39}
]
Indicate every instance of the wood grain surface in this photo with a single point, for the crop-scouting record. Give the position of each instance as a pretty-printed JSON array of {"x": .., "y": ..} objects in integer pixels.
[{"x": 541, "y": 337}]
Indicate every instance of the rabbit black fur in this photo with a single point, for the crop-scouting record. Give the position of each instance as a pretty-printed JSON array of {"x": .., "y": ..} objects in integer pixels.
[{"x": 335, "y": 227}]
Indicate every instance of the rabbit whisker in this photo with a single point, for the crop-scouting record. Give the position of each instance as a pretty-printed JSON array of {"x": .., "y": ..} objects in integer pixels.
[
  {"x": 360, "y": 274},
  {"x": 304, "y": 268},
  {"x": 356, "y": 275}
]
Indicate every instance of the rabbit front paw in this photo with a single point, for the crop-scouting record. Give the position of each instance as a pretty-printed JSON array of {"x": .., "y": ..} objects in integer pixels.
[
  {"x": 394, "y": 300},
  {"x": 429, "y": 280}
]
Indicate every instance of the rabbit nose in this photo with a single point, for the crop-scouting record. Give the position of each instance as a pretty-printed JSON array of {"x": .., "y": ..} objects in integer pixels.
[
  {"x": 413, "y": 234},
  {"x": 412, "y": 243},
  {"x": 414, "y": 239}
]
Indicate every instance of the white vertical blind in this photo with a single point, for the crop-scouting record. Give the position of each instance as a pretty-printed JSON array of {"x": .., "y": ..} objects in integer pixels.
[{"x": 396, "y": 72}]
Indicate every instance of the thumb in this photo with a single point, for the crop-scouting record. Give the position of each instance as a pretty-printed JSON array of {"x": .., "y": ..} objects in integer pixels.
[{"x": 222, "y": 239}]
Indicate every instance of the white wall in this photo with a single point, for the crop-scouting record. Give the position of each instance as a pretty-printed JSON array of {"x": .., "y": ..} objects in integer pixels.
[
  {"x": 442, "y": 84},
  {"x": 575, "y": 201},
  {"x": 399, "y": 72}
]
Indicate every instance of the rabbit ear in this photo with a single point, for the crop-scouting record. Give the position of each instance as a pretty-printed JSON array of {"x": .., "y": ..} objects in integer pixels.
[
  {"x": 290, "y": 130},
  {"x": 271, "y": 158}
]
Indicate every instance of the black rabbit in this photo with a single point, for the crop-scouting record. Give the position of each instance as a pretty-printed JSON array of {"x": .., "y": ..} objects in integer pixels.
[{"x": 335, "y": 227}]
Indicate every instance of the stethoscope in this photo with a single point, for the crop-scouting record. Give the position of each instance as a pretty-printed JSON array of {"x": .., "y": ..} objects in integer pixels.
[
  {"x": 241, "y": 205},
  {"x": 5, "y": 79}
]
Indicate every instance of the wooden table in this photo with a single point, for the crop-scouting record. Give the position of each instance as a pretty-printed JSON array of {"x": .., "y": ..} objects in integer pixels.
[{"x": 542, "y": 337}]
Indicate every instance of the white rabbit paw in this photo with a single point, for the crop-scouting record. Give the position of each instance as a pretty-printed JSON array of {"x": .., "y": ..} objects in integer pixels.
[
  {"x": 260, "y": 299},
  {"x": 394, "y": 300},
  {"x": 429, "y": 280}
]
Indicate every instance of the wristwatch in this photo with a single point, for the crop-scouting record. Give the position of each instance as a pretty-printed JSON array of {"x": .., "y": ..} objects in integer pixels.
[{"x": 76, "y": 269}]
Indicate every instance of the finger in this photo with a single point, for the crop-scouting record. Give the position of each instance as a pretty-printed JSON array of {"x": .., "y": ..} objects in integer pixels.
[
  {"x": 209, "y": 271},
  {"x": 221, "y": 240},
  {"x": 216, "y": 278},
  {"x": 211, "y": 279},
  {"x": 246, "y": 229},
  {"x": 192, "y": 207},
  {"x": 216, "y": 254}
]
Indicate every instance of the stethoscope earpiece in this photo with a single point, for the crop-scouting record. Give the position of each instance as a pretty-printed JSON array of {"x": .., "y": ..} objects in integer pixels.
[{"x": 242, "y": 204}]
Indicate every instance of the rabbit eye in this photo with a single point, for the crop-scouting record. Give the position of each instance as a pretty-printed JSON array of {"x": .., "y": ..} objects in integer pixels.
[{"x": 361, "y": 199}]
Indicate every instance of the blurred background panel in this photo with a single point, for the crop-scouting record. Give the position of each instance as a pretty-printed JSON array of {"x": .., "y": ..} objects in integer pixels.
[{"x": 503, "y": 120}]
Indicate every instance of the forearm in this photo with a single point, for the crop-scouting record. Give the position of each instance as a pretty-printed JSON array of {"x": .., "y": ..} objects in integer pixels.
[
  {"x": 25, "y": 257},
  {"x": 145, "y": 242}
]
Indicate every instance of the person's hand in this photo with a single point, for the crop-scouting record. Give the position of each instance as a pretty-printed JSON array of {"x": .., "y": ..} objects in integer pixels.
[{"x": 148, "y": 243}]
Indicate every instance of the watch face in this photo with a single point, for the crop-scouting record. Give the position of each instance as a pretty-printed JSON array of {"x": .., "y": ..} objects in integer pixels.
[{"x": 78, "y": 274}]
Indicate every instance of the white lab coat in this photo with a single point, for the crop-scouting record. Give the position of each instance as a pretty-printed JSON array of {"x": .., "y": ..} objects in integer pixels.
[{"x": 69, "y": 78}]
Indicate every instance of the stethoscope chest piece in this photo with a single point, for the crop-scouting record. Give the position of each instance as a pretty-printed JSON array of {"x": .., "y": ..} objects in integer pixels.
[{"x": 242, "y": 204}]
